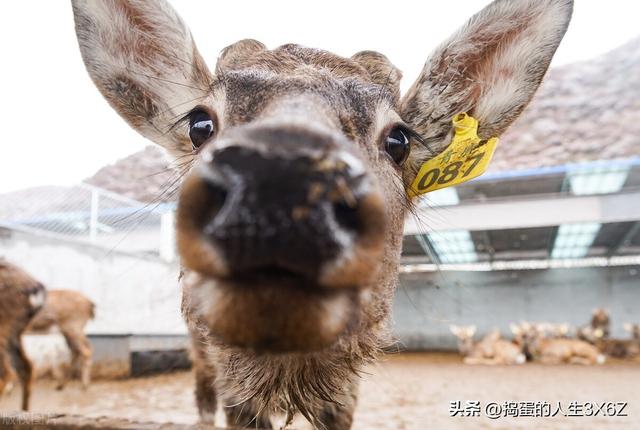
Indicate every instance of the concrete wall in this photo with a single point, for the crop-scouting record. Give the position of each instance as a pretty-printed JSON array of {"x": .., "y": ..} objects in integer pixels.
[
  {"x": 426, "y": 303},
  {"x": 133, "y": 293},
  {"x": 140, "y": 295}
]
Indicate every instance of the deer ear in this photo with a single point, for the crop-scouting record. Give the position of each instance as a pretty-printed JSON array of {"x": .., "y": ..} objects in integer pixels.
[
  {"x": 454, "y": 329},
  {"x": 381, "y": 70},
  {"x": 490, "y": 68},
  {"x": 143, "y": 60},
  {"x": 628, "y": 327}
]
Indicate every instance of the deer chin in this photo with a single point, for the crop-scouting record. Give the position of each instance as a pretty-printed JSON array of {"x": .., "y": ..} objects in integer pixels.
[{"x": 272, "y": 313}]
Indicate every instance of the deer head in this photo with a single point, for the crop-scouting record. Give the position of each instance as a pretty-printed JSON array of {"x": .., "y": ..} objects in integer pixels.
[
  {"x": 290, "y": 220},
  {"x": 465, "y": 337}
]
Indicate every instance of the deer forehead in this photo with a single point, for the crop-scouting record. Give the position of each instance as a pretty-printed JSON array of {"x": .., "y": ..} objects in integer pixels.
[{"x": 291, "y": 79}]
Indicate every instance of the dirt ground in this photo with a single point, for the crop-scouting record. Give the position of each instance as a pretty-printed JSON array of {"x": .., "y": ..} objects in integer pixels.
[{"x": 404, "y": 392}]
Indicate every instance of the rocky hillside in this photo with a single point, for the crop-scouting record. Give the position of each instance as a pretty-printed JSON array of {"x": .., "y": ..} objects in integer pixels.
[{"x": 583, "y": 112}]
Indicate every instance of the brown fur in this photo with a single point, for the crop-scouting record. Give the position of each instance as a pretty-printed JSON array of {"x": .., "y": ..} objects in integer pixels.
[
  {"x": 69, "y": 311},
  {"x": 349, "y": 104},
  {"x": 21, "y": 297},
  {"x": 600, "y": 321},
  {"x": 618, "y": 348}
]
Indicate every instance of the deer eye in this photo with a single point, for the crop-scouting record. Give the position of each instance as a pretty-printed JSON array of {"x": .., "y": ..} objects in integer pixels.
[
  {"x": 397, "y": 145},
  {"x": 200, "y": 128}
]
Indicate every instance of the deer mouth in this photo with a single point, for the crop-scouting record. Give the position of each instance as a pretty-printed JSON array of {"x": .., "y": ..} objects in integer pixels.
[{"x": 273, "y": 310}]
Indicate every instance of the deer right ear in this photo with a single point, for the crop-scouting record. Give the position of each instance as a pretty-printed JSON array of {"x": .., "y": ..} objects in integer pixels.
[
  {"x": 489, "y": 69},
  {"x": 143, "y": 60}
]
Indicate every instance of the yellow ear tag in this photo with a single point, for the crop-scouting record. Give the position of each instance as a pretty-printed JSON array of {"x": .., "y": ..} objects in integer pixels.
[{"x": 466, "y": 157}]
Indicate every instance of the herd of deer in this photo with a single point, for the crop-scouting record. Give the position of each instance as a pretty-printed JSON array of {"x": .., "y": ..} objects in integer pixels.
[
  {"x": 26, "y": 306},
  {"x": 549, "y": 343}
]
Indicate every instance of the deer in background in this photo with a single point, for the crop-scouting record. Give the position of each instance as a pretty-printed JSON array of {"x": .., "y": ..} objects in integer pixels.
[
  {"x": 633, "y": 329},
  {"x": 492, "y": 349},
  {"x": 597, "y": 333},
  {"x": 618, "y": 348},
  {"x": 69, "y": 311},
  {"x": 298, "y": 162},
  {"x": 21, "y": 297},
  {"x": 557, "y": 330},
  {"x": 599, "y": 326},
  {"x": 537, "y": 346}
]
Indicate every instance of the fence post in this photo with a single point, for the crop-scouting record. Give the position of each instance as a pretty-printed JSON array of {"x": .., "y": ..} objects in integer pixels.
[
  {"x": 167, "y": 237},
  {"x": 93, "y": 222}
]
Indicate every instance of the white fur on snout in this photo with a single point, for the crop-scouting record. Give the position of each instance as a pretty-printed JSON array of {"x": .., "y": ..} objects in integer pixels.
[
  {"x": 203, "y": 291},
  {"x": 342, "y": 237},
  {"x": 212, "y": 176},
  {"x": 37, "y": 299},
  {"x": 335, "y": 311},
  {"x": 356, "y": 167}
]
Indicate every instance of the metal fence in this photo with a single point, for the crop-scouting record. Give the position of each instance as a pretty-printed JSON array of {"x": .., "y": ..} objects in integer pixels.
[{"x": 89, "y": 214}]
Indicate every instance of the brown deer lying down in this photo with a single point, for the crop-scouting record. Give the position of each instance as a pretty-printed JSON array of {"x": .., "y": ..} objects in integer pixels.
[
  {"x": 290, "y": 222},
  {"x": 492, "y": 349},
  {"x": 21, "y": 297},
  {"x": 618, "y": 348},
  {"x": 539, "y": 347},
  {"x": 69, "y": 311}
]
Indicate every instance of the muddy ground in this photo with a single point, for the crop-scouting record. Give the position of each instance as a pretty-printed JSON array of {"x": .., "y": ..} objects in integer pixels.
[{"x": 404, "y": 392}]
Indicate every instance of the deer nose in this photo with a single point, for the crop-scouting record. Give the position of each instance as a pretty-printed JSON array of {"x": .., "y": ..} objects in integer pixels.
[{"x": 311, "y": 215}]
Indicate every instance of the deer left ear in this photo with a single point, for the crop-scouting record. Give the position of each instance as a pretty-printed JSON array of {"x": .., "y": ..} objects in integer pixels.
[
  {"x": 490, "y": 69},
  {"x": 142, "y": 58}
]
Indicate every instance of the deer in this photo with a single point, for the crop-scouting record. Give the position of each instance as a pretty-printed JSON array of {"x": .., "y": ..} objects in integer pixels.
[
  {"x": 297, "y": 167},
  {"x": 633, "y": 329},
  {"x": 599, "y": 326},
  {"x": 538, "y": 347},
  {"x": 557, "y": 330},
  {"x": 69, "y": 311},
  {"x": 597, "y": 334},
  {"x": 492, "y": 349},
  {"x": 21, "y": 297}
]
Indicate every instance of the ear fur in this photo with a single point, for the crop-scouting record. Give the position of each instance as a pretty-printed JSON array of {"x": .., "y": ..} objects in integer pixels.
[
  {"x": 490, "y": 68},
  {"x": 142, "y": 58}
]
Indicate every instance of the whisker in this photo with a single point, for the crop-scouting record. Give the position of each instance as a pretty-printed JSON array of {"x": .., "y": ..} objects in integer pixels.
[{"x": 166, "y": 80}]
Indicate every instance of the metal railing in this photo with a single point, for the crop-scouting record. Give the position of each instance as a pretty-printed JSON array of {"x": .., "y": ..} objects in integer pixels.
[{"x": 85, "y": 213}]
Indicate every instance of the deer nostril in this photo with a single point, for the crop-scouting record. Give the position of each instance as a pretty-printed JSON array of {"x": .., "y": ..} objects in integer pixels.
[
  {"x": 216, "y": 195},
  {"x": 347, "y": 216}
]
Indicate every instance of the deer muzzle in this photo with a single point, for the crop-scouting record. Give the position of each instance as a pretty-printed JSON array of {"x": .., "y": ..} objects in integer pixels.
[{"x": 284, "y": 227}]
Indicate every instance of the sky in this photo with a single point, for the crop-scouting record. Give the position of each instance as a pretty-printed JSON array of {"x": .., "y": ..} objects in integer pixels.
[{"x": 58, "y": 130}]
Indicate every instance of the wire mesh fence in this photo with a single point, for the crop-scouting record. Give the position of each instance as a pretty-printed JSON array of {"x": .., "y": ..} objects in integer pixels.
[{"x": 85, "y": 213}]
